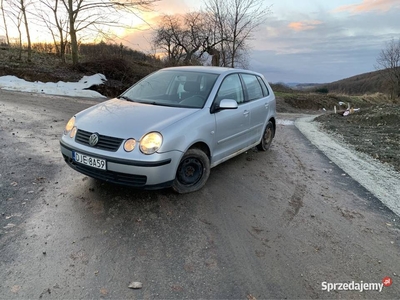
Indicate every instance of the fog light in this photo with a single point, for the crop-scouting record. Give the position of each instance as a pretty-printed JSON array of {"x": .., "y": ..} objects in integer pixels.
[{"x": 129, "y": 145}]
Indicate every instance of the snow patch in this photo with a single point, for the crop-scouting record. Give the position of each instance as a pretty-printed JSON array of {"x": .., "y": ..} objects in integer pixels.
[
  {"x": 73, "y": 89},
  {"x": 284, "y": 122}
]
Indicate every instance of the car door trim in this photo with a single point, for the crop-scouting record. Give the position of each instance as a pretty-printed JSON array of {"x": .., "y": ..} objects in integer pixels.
[{"x": 234, "y": 136}]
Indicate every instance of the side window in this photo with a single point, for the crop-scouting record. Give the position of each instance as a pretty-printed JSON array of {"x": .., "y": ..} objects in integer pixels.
[
  {"x": 231, "y": 88},
  {"x": 263, "y": 86},
  {"x": 253, "y": 87}
]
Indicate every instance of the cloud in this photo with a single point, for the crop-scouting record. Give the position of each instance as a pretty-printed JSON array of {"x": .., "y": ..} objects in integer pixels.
[
  {"x": 370, "y": 5},
  {"x": 315, "y": 45},
  {"x": 338, "y": 47},
  {"x": 140, "y": 36},
  {"x": 172, "y": 7},
  {"x": 304, "y": 25}
]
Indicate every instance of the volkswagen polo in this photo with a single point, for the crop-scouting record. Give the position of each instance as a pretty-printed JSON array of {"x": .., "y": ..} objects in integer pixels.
[{"x": 170, "y": 128}]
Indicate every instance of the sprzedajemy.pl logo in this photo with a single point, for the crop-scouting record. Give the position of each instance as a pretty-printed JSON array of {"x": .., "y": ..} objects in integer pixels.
[{"x": 356, "y": 286}]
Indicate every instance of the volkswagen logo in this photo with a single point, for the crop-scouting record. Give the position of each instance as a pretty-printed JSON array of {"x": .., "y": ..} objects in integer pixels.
[{"x": 93, "y": 139}]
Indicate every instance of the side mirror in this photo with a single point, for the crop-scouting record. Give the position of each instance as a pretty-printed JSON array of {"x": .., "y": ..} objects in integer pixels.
[
  {"x": 228, "y": 104},
  {"x": 223, "y": 104}
]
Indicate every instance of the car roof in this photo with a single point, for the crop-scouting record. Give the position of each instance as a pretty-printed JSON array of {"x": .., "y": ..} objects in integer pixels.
[{"x": 209, "y": 69}]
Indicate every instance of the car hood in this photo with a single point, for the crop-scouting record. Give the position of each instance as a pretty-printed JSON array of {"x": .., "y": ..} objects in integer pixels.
[{"x": 125, "y": 119}]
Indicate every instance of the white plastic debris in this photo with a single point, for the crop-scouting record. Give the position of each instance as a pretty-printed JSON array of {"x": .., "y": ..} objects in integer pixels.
[{"x": 135, "y": 285}]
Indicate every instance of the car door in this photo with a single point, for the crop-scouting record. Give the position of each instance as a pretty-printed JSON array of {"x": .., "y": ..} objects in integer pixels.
[
  {"x": 232, "y": 125},
  {"x": 258, "y": 100}
]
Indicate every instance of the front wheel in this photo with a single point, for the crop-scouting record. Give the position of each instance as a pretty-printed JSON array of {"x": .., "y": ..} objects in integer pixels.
[
  {"x": 267, "y": 137},
  {"x": 193, "y": 172}
]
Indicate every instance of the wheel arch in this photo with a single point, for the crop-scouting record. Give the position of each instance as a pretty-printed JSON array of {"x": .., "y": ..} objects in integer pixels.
[
  {"x": 203, "y": 147},
  {"x": 273, "y": 121}
]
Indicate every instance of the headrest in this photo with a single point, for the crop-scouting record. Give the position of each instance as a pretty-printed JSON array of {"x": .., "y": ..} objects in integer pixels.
[{"x": 192, "y": 86}]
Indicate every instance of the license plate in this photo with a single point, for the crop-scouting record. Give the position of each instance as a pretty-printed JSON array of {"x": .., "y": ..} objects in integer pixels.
[{"x": 87, "y": 160}]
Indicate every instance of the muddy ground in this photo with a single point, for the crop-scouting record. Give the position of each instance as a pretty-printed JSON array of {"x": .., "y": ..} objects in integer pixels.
[
  {"x": 273, "y": 225},
  {"x": 374, "y": 129}
]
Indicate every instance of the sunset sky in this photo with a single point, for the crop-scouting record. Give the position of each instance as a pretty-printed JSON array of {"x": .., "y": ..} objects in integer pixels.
[
  {"x": 303, "y": 41},
  {"x": 311, "y": 40}
]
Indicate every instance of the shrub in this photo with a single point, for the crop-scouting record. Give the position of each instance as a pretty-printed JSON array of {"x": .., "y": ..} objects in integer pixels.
[{"x": 323, "y": 90}]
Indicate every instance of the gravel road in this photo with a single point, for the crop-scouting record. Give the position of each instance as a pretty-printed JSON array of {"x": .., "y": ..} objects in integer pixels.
[
  {"x": 277, "y": 224},
  {"x": 382, "y": 180}
]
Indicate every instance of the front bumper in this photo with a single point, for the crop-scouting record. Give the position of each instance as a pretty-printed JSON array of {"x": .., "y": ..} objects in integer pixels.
[{"x": 155, "y": 174}]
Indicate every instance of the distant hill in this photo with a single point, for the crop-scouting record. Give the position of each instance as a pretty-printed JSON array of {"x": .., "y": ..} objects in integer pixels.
[
  {"x": 306, "y": 86},
  {"x": 296, "y": 85},
  {"x": 291, "y": 84},
  {"x": 367, "y": 83}
]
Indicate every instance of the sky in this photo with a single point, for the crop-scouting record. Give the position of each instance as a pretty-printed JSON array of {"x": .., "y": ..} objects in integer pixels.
[
  {"x": 301, "y": 41},
  {"x": 308, "y": 41}
]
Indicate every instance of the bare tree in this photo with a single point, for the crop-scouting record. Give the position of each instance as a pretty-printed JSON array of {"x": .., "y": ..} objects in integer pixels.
[
  {"x": 16, "y": 17},
  {"x": 168, "y": 37},
  {"x": 18, "y": 13},
  {"x": 4, "y": 13},
  {"x": 389, "y": 62},
  {"x": 235, "y": 22},
  {"x": 84, "y": 14},
  {"x": 56, "y": 22},
  {"x": 182, "y": 37},
  {"x": 217, "y": 16},
  {"x": 222, "y": 31},
  {"x": 19, "y": 16},
  {"x": 196, "y": 34},
  {"x": 22, "y": 6}
]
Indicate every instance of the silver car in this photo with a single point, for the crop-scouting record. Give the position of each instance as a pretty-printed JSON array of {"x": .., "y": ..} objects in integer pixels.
[{"x": 172, "y": 127}]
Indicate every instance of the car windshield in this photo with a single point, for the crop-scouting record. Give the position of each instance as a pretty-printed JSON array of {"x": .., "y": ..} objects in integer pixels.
[{"x": 172, "y": 88}]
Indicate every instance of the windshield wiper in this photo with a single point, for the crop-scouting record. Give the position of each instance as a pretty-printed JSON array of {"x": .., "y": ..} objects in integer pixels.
[
  {"x": 157, "y": 103},
  {"x": 125, "y": 98}
]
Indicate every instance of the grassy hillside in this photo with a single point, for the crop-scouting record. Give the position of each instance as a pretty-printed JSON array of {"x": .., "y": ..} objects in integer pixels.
[
  {"x": 121, "y": 66},
  {"x": 292, "y": 100},
  {"x": 367, "y": 83}
]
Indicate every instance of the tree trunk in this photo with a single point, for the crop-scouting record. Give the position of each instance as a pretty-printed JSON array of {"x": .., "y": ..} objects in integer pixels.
[
  {"x": 74, "y": 46},
  {"x": 28, "y": 36},
  {"x": 61, "y": 49},
  {"x": 20, "y": 42},
  {"x": 72, "y": 34},
  {"x": 5, "y": 22}
]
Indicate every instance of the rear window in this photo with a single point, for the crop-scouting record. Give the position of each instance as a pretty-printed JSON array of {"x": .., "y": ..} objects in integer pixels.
[
  {"x": 263, "y": 86},
  {"x": 253, "y": 87}
]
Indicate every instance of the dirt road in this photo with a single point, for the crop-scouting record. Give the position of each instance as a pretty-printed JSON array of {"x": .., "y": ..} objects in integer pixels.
[{"x": 280, "y": 224}]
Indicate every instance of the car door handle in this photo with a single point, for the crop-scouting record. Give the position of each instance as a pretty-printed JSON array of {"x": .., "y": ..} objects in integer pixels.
[
  {"x": 266, "y": 105},
  {"x": 246, "y": 113}
]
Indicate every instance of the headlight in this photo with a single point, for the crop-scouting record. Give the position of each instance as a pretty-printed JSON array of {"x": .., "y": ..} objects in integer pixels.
[
  {"x": 129, "y": 145},
  {"x": 73, "y": 132},
  {"x": 151, "y": 142},
  {"x": 70, "y": 125}
]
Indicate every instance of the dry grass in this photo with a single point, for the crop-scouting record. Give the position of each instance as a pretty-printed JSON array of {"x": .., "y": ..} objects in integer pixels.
[{"x": 122, "y": 67}]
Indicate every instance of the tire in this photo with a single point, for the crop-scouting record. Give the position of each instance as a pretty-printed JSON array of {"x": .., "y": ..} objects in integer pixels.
[
  {"x": 267, "y": 137},
  {"x": 192, "y": 173}
]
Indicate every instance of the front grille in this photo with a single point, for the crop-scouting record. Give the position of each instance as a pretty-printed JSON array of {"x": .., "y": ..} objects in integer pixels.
[
  {"x": 110, "y": 176},
  {"x": 105, "y": 142}
]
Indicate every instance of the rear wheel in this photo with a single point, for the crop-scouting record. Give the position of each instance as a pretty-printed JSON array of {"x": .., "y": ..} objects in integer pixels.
[
  {"x": 267, "y": 137},
  {"x": 193, "y": 172}
]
